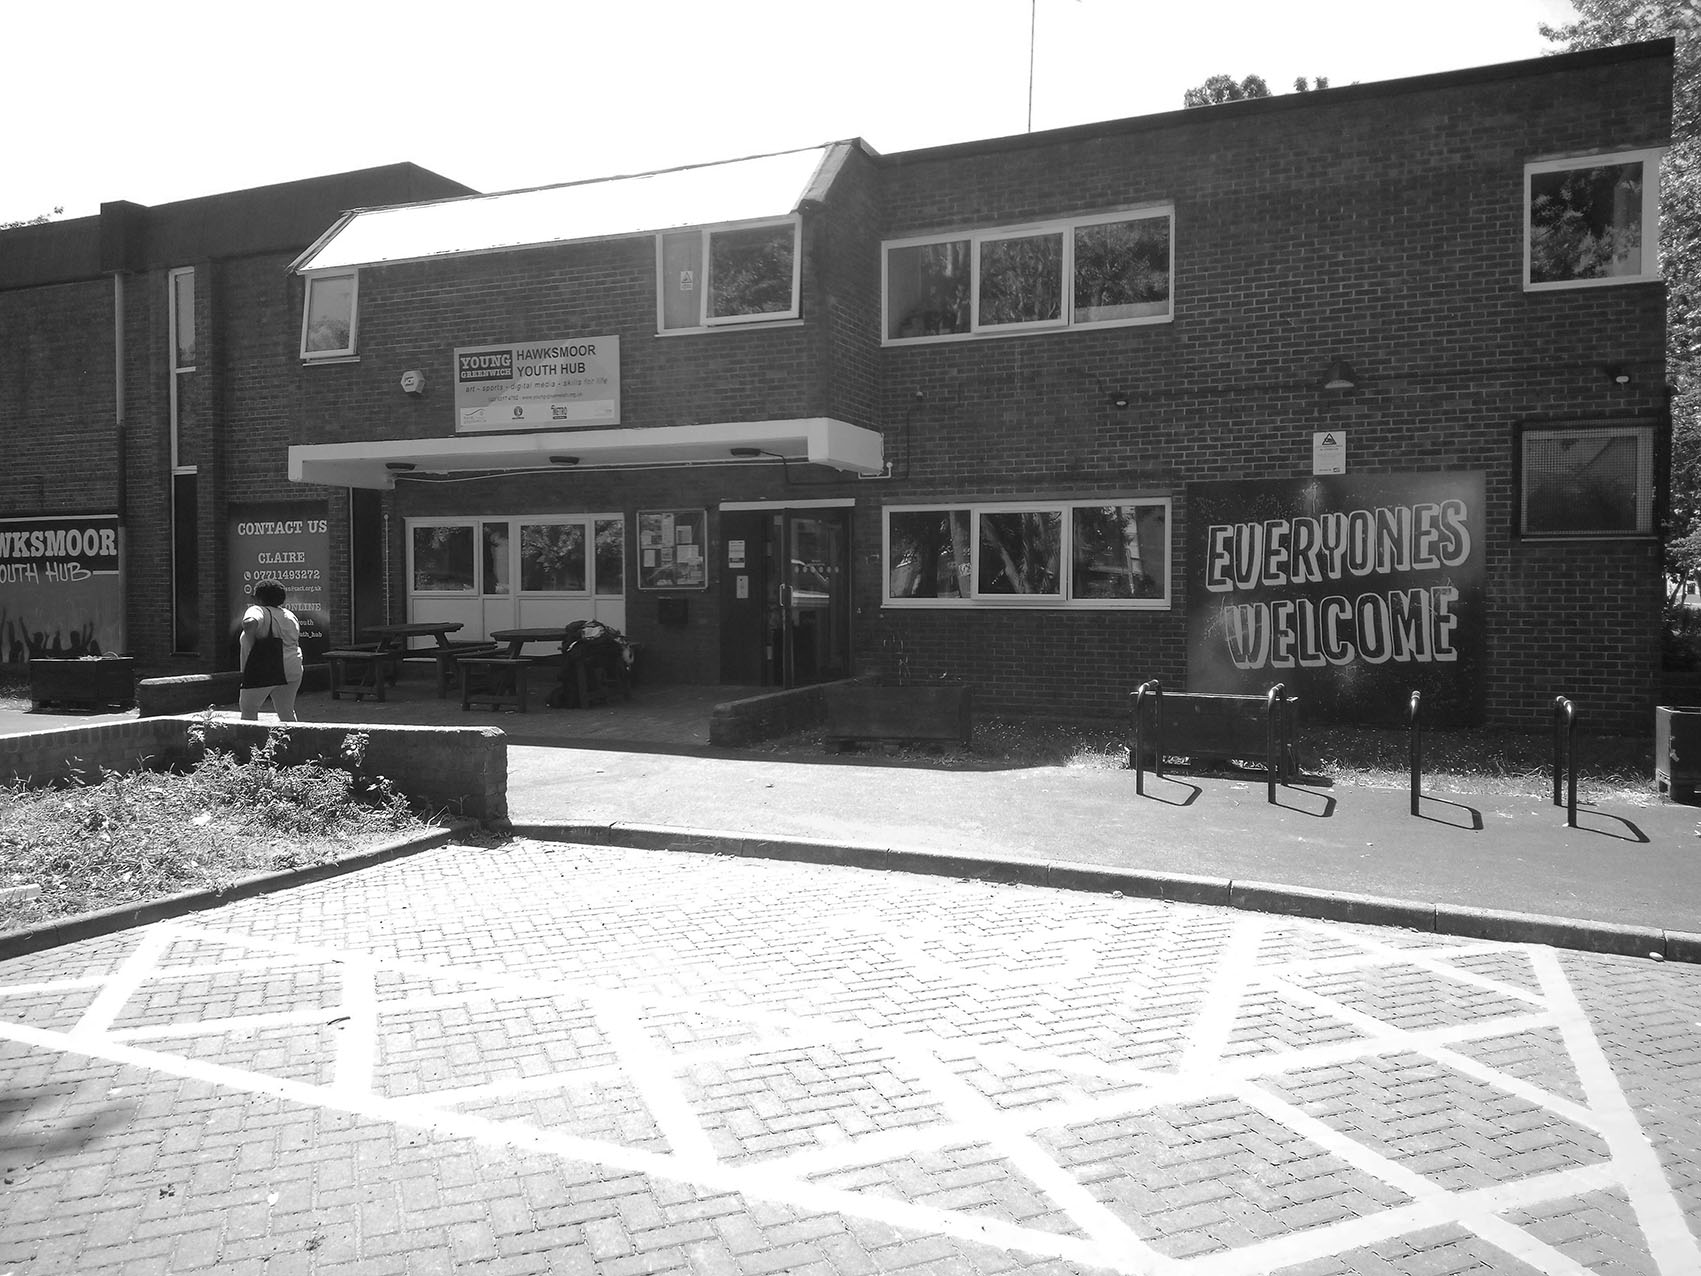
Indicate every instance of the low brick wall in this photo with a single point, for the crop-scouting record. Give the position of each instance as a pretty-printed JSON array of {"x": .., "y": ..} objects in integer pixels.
[
  {"x": 462, "y": 770},
  {"x": 192, "y": 692},
  {"x": 735, "y": 723}
]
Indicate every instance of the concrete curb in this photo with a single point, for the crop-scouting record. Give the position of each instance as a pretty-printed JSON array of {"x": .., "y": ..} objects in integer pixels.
[
  {"x": 1265, "y": 897},
  {"x": 92, "y": 925}
]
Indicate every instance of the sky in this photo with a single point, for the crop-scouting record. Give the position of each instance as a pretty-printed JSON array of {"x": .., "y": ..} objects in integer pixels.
[{"x": 153, "y": 101}]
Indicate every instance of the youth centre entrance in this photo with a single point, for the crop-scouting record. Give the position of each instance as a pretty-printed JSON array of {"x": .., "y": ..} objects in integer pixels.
[{"x": 785, "y": 606}]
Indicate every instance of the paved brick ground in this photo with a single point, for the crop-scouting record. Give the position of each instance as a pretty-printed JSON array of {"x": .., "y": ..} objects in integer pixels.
[{"x": 534, "y": 1058}]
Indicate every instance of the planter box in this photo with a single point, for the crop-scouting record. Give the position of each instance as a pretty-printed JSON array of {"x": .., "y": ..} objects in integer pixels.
[
  {"x": 1212, "y": 729},
  {"x": 109, "y": 682},
  {"x": 1677, "y": 750},
  {"x": 932, "y": 711}
]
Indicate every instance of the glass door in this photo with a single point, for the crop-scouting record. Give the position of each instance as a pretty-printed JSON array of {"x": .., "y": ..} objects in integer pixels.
[{"x": 815, "y": 596}]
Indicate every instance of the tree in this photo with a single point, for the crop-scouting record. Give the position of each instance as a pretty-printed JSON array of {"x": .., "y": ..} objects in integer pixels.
[
  {"x": 1317, "y": 82},
  {"x": 40, "y": 219},
  {"x": 1222, "y": 88},
  {"x": 1609, "y": 22}
]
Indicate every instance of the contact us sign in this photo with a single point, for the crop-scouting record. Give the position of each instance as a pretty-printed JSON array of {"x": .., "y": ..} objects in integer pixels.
[
  {"x": 558, "y": 384},
  {"x": 1352, "y": 590}
]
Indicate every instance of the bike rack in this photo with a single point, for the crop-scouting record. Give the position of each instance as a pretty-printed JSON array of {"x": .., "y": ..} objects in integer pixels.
[
  {"x": 1564, "y": 742},
  {"x": 1137, "y": 752},
  {"x": 1277, "y": 695},
  {"x": 1414, "y": 718}
]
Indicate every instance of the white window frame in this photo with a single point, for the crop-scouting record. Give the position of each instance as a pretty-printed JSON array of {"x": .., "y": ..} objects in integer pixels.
[
  {"x": 1646, "y": 435},
  {"x": 476, "y": 522},
  {"x": 706, "y": 322},
  {"x": 1063, "y": 600},
  {"x": 1649, "y": 158},
  {"x": 1066, "y": 228},
  {"x": 174, "y": 318},
  {"x": 349, "y": 351}
]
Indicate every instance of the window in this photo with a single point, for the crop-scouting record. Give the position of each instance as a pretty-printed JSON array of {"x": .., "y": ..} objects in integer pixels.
[
  {"x": 1101, "y": 554},
  {"x": 328, "y": 317},
  {"x": 1587, "y": 481},
  {"x": 1089, "y": 272},
  {"x": 183, "y": 319},
  {"x": 544, "y": 553},
  {"x": 1592, "y": 221},
  {"x": 552, "y": 558},
  {"x": 727, "y": 275}
]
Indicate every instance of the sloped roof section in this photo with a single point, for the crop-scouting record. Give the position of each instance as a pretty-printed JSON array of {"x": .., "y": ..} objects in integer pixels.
[{"x": 699, "y": 195}]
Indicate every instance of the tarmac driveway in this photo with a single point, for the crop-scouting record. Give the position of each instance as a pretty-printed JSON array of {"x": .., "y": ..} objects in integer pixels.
[{"x": 530, "y": 1057}]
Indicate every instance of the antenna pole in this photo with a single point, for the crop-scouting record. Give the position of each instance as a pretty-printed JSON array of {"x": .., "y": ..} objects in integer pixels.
[{"x": 1033, "y": 9}]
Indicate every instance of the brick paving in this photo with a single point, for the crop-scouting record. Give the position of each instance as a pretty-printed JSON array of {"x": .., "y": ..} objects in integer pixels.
[{"x": 547, "y": 1058}]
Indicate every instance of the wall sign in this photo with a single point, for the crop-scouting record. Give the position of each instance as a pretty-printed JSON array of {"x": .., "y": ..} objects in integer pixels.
[
  {"x": 1351, "y": 591},
  {"x": 61, "y": 595},
  {"x": 565, "y": 383},
  {"x": 670, "y": 549},
  {"x": 285, "y": 541}
]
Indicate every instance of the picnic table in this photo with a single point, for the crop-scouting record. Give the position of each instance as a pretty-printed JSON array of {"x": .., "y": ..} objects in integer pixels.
[{"x": 497, "y": 678}]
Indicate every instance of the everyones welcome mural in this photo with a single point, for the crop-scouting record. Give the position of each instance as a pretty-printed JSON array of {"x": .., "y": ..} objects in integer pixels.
[{"x": 1351, "y": 590}]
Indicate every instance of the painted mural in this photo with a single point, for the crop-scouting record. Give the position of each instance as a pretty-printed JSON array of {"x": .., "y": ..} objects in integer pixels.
[
  {"x": 1352, "y": 591},
  {"x": 61, "y": 592}
]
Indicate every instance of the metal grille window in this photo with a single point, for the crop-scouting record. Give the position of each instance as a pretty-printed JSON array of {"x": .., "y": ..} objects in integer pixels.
[{"x": 1587, "y": 481}]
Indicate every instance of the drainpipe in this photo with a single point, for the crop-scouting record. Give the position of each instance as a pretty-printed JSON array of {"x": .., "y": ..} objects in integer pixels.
[{"x": 121, "y": 498}]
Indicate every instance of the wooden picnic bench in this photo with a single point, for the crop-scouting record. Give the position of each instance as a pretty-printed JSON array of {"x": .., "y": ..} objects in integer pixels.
[{"x": 369, "y": 666}]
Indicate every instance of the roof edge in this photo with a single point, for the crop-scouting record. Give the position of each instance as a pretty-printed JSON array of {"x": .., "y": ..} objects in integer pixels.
[{"x": 1664, "y": 47}]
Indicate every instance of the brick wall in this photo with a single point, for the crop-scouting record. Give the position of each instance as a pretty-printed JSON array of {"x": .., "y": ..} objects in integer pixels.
[{"x": 1380, "y": 226}]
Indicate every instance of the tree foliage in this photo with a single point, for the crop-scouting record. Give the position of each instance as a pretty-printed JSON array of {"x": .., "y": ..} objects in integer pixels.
[
  {"x": 40, "y": 219},
  {"x": 1609, "y": 22},
  {"x": 1224, "y": 88}
]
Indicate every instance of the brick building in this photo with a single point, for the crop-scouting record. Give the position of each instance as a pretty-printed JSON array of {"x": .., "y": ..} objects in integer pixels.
[
  {"x": 1360, "y": 390},
  {"x": 146, "y": 380}
]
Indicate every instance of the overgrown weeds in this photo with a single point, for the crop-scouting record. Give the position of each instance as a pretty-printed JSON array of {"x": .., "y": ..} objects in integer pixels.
[{"x": 129, "y": 838}]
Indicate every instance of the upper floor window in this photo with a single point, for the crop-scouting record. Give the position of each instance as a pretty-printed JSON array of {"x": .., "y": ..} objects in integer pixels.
[
  {"x": 717, "y": 276},
  {"x": 1101, "y": 554},
  {"x": 183, "y": 319},
  {"x": 1096, "y": 272},
  {"x": 328, "y": 317},
  {"x": 1592, "y": 220}
]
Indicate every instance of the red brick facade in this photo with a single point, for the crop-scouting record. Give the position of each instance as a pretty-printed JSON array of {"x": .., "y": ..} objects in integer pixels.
[{"x": 1380, "y": 223}]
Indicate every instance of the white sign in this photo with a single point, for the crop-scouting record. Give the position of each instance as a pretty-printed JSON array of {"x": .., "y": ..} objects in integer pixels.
[
  {"x": 569, "y": 383},
  {"x": 1329, "y": 452}
]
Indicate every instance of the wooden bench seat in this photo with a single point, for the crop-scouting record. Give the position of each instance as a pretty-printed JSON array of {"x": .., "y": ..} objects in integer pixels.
[
  {"x": 493, "y": 680},
  {"x": 369, "y": 667},
  {"x": 449, "y": 656}
]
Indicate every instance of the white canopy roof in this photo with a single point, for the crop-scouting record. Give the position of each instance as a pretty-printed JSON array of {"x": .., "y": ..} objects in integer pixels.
[
  {"x": 701, "y": 195},
  {"x": 375, "y": 464}
]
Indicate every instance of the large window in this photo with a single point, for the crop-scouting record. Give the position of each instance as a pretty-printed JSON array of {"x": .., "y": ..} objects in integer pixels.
[
  {"x": 1592, "y": 220},
  {"x": 572, "y": 556},
  {"x": 328, "y": 316},
  {"x": 1090, "y": 272},
  {"x": 711, "y": 277},
  {"x": 1587, "y": 481},
  {"x": 1109, "y": 554}
]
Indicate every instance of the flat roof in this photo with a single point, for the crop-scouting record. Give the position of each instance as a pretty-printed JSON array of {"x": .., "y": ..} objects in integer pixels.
[{"x": 737, "y": 190}]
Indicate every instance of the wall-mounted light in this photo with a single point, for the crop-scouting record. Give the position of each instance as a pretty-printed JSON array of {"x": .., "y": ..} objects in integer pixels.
[
  {"x": 1340, "y": 376},
  {"x": 399, "y": 467},
  {"x": 747, "y": 452},
  {"x": 1618, "y": 374},
  {"x": 413, "y": 382},
  {"x": 563, "y": 460},
  {"x": 1119, "y": 398}
]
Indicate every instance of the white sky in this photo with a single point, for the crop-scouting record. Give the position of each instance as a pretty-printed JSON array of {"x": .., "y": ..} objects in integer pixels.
[{"x": 160, "y": 100}]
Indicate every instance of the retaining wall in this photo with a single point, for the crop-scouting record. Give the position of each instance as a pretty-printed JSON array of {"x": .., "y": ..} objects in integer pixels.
[{"x": 463, "y": 770}]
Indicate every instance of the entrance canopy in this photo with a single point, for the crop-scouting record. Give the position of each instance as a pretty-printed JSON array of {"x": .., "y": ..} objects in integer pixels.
[{"x": 376, "y": 464}]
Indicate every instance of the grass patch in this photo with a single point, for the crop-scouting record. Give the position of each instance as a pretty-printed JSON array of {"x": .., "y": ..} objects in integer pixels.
[
  {"x": 1481, "y": 761},
  {"x": 141, "y": 836}
]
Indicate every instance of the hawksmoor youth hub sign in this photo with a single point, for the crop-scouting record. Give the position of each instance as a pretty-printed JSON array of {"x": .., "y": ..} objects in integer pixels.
[{"x": 1352, "y": 590}]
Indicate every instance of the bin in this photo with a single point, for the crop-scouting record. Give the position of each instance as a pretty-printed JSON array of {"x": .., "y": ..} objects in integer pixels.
[{"x": 1677, "y": 750}]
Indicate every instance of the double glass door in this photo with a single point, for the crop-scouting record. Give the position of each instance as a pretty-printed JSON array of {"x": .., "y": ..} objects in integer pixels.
[{"x": 787, "y": 605}]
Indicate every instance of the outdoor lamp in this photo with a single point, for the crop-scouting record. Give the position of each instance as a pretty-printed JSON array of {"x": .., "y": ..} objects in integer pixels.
[{"x": 1340, "y": 376}]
